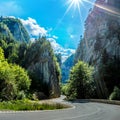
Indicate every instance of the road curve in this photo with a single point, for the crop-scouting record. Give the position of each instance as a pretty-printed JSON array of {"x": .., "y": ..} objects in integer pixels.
[{"x": 81, "y": 111}]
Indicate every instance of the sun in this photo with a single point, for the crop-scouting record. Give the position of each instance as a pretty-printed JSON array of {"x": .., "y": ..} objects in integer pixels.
[
  {"x": 71, "y": 4},
  {"x": 75, "y": 4}
]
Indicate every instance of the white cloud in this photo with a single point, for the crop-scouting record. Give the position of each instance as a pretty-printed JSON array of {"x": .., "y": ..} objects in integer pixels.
[
  {"x": 59, "y": 49},
  {"x": 33, "y": 28},
  {"x": 55, "y": 37},
  {"x": 10, "y": 8}
]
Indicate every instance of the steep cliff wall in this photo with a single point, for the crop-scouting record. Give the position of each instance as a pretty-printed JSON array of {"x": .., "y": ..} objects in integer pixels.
[
  {"x": 16, "y": 28},
  {"x": 101, "y": 40},
  {"x": 43, "y": 68}
]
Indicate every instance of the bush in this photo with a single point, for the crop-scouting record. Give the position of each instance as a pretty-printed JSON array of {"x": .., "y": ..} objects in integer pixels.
[
  {"x": 115, "y": 95},
  {"x": 1, "y": 54},
  {"x": 21, "y": 77},
  {"x": 64, "y": 89},
  {"x": 13, "y": 80},
  {"x": 21, "y": 95},
  {"x": 81, "y": 84}
]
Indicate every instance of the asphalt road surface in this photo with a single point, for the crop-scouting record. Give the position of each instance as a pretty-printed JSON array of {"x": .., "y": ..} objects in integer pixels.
[{"x": 81, "y": 111}]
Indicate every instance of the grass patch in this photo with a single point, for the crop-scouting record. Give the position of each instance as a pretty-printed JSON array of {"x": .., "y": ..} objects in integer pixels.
[{"x": 23, "y": 105}]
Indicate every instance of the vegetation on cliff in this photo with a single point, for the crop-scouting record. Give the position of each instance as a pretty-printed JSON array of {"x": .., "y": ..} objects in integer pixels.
[
  {"x": 37, "y": 79},
  {"x": 38, "y": 60},
  {"x": 16, "y": 28}
]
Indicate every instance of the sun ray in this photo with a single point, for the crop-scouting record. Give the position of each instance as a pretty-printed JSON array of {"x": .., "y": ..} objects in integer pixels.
[
  {"x": 107, "y": 9},
  {"x": 71, "y": 4},
  {"x": 76, "y": 4}
]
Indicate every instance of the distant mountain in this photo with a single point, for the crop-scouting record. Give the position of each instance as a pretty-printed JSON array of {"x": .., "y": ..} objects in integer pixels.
[
  {"x": 15, "y": 28},
  {"x": 66, "y": 66}
]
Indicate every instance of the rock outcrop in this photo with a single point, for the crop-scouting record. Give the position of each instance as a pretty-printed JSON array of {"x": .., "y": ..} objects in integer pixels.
[
  {"x": 16, "y": 28},
  {"x": 43, "y": 68},
  {"x": 101, "y": 41}
]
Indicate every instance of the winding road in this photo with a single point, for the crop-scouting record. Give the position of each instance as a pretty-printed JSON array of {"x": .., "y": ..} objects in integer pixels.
[{"x": 81, "y": 111}]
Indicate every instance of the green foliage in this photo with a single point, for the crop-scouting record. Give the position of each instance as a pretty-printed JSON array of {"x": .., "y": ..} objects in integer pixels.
[
  {"x": 115, "y": 95},
  {"x": 35, "y": 50},
  {"x": 21, "y": 78},
  {"x": 81, "y": 83},
  {"x": 57, "y": 67},
  {"x": 39, "y": 59},
  {"x": 1, "y": 54},
  {"x": 22, "y": 52},
  {"x": 8, "y": 44},
  {"x": 21, "y": 95},
  {"x": 11, "y": 53},
  {"x": 13, "y": 79},
  {"x": 32, "y": 56},
  {"x": 8, "y": 87},
  {"x": 29, "y": 105},
  {"x": 5, "y": 33},
  {"x": 64, "y": 89}
]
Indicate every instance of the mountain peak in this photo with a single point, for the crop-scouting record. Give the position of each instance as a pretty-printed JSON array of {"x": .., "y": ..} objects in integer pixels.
[{"x": 16, "y": 28}]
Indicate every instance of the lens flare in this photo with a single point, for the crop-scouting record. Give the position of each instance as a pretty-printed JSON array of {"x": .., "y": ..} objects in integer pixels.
[
  {"x": 72, "y": 4},
  {"x": 109, "y": 9},
  {"x": 76, "y": 4}
]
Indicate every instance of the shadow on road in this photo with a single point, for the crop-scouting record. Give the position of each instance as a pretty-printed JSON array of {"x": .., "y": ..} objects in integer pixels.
[{"x": 80, "y": 101}]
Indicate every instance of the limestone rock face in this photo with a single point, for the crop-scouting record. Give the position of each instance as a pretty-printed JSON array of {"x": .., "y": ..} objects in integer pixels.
[
  {"x": 40, "y": 62},
  {"x": 16, "y": 29},
  {"x": 102, "y": 34}
]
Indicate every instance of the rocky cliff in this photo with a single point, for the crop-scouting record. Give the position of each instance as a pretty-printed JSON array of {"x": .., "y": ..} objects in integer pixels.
[
  {"x": 44, "y": 70},
  {"x": 16, "y": 28},
  {"x": 37, "y": 57},
  {"x": 101, "y": 41}
]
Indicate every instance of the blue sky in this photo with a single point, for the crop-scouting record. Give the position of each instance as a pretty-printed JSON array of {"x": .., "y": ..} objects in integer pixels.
[{"x": 50, "y": 15}]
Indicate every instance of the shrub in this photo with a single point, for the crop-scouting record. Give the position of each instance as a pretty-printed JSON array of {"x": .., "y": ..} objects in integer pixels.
[
  {"x": 21, "y": 77},
  {"x": 1, "y": 54},
  {"x": 115, "y": 95},
  {"x": 81, "y": 83},
  {"x": 64, "y": 89},
  {"x": 13, "y": 80},
  {"x": 21, "y": 95}
]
